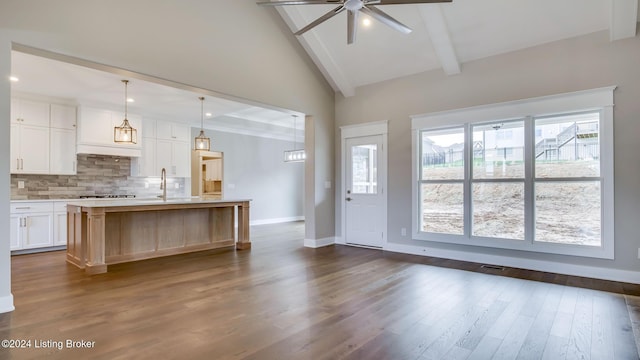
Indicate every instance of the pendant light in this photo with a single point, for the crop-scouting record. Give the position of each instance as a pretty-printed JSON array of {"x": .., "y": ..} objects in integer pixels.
[
  {"x": 202, "y": 143},
  {"x": 295, "y": 155},
  {"x": 125, "y": 134}
]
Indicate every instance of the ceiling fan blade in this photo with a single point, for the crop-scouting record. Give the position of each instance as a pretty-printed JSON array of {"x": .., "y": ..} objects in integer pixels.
[
  {"x": 352, "y": 26},
  {"x": 399, "y": 2},
  {"x": 301, "y": 2},
  {"x": 321, "y": 19},
  {"x": 385, "y": 19}
]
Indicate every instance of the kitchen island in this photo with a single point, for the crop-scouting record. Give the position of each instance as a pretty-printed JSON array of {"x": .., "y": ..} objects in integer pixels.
[{"x": 106, "y": 232}]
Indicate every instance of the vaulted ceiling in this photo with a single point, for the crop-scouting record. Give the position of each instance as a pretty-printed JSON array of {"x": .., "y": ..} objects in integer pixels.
[{"x": 446, "y": 36}]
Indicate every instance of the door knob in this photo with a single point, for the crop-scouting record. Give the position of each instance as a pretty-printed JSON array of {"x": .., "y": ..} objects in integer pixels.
[{"x": 348, "y": 199}]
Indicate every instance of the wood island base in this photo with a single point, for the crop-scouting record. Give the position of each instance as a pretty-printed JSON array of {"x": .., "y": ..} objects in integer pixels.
[{"x": 102, "y": 233}]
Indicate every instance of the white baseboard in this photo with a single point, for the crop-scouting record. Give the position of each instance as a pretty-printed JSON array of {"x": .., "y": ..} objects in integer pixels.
[
  {"x": 340, "y": 240},
  {"x": 276, "y": 220},
  {"x": 316, "y": 243},
  {"x": 530, "y": 264},
  {"x": 6, "y": 304}
]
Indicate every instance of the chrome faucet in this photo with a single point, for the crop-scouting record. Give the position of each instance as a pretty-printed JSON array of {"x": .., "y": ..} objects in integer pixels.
[{"x": 163, "y": 184}]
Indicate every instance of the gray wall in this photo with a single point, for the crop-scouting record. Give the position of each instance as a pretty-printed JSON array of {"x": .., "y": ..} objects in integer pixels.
[
  {"x": 255, "y": 167},
  {"x": 230, "y": 48},
  {"x": 581, "y": 63}
]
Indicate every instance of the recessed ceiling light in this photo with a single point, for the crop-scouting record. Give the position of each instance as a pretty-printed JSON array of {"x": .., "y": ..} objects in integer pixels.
[
  {"x": 13, "y": 78},
  {"x": 366, "y": 22},
  {"x": 130, "y": 100},
  {"x": 208, "y": 114}
]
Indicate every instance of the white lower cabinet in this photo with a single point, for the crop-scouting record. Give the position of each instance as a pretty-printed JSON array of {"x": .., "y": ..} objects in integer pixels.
[
  {"x": 15, "y": 234},
  {"x": 37, "y": 225},
  {"x": 59, "y": 224},
  {"x": 31, "y": 225}
]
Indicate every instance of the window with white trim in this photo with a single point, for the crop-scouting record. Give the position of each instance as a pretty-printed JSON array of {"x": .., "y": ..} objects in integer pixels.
[{"x": 533, "y": 175}]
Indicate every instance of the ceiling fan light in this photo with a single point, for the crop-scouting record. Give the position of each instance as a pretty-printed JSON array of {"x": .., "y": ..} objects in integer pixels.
[{"x": 353, "y": 5}]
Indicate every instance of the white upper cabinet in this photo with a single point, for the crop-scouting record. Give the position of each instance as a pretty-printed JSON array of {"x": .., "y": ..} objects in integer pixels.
[
  {"x": 29, "y": 137},
  {"x": 29, "y": 150},
  {"x": 34, "y": 149},
  {"x": 29, "y": 112},
  {"x": 149, "y": 126},
  {"x": 63, "y": 117},
  {"x": 164, "y": 145},
  {"x": 43, "y": 138},
  {"x": 182, "y": 158},
  {"x": 172, "y": 131},
  {"x": 62, "y": 153},
  {"x": 174, "y": 156},
  {"x": 146, "y": 165}
]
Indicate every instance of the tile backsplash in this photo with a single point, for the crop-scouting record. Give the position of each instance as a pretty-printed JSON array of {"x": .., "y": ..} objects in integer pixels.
[{"x": 96, "y": 175}]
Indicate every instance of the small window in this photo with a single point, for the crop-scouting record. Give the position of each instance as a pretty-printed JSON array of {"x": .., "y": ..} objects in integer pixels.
[{"x": 365, "y": 169}]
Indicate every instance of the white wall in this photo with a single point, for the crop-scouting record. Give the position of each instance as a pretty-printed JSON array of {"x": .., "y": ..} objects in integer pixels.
[
  {"x": 6, "y": 299},
  {"x": 585, "y": 62},
  {"x": 233, "y": 48},
  {"x": 255, "y": 168}
]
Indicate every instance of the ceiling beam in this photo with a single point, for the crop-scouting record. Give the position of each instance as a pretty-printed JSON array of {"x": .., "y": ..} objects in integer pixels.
[
  {"x": 439, "y": 33},
  {"x": 624, "y": 19},
  {"x": 319, "y": 54}
]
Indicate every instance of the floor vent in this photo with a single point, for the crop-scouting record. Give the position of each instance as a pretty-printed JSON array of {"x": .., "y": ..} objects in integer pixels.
[{"x": 492, "y": 267}]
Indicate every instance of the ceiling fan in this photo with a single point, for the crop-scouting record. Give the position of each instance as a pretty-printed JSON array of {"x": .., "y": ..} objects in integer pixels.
[{"x": 354, "y": 7}]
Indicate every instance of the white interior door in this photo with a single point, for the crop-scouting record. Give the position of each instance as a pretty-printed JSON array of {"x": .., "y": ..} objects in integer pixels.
[{"x": 364, "y": 191}]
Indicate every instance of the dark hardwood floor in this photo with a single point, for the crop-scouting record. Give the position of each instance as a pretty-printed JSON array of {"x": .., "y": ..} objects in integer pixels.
[{"x": 283, "y": 301}]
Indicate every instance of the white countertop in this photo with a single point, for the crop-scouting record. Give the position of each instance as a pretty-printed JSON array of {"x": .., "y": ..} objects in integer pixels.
[
  {"x": 43, "y": 200},
  {"x": 153, "y": 201}
]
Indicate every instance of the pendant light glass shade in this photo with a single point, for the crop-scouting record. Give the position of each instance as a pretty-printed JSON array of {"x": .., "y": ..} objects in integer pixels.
[
  {"x": 295, "y": 155},
  {"x": 202, "y": 142},
  {"x": 125, "y": 133}
]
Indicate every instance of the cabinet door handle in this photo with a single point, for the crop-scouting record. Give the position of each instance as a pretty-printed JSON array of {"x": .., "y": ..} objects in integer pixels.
[
  {"x": 23, "y": 222},
  {"x": 74, "y": 165},
  {"x": 18, "y": 164},
  {"x": 23, "y": 208}
]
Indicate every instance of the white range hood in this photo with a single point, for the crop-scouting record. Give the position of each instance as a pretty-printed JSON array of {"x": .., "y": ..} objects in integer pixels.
[{"x": 95, "y": 132}]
